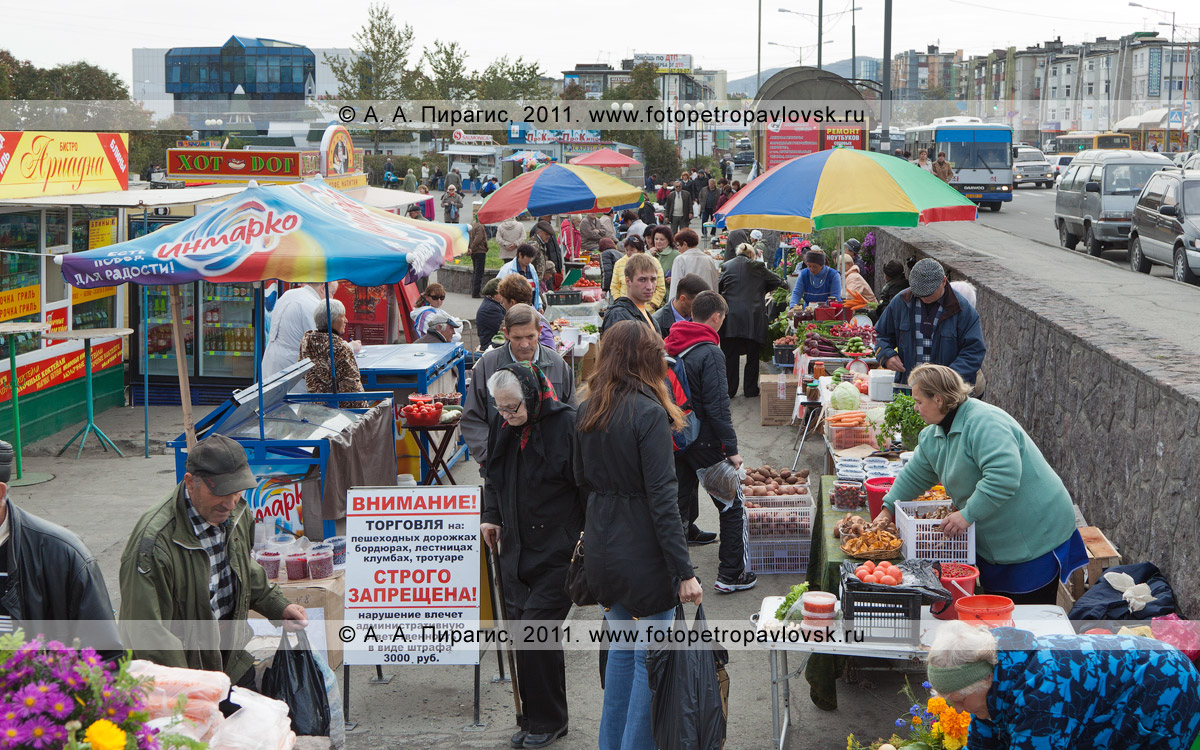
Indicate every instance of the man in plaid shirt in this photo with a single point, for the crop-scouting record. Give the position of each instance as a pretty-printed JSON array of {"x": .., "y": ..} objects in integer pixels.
[{"x": 188, "y": 581}]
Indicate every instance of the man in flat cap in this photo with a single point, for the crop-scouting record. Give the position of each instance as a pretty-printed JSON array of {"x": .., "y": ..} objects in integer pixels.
[
  {"x": 187, "y": 578},
  {"x": 930, "y": 323}
]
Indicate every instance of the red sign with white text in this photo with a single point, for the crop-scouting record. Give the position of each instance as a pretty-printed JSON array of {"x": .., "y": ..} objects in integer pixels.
[{"x": 47, "y": 373}]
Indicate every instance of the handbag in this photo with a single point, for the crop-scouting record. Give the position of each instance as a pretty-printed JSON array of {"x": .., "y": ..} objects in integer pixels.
[{"x": 577, "y": 586}]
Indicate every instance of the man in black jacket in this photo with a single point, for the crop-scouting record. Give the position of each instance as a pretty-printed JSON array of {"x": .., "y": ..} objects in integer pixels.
[
  {"x": 490, "y": 315},
  {"x": 641, "y": 278},
  {"x": 49, "y": 582},
  {"x": 678, "y": 207},
  {"x": 680, "y": 308},
  {"x": 698, "y": 344}
]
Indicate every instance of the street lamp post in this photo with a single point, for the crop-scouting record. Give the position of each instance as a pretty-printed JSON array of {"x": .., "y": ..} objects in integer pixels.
[
  {"x": 820, "y": 16},
  {"x": 885, "y": 113}
]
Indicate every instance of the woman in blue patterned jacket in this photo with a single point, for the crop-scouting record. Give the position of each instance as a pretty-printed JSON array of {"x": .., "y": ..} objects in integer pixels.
[{"x": 1066, "y": 691}]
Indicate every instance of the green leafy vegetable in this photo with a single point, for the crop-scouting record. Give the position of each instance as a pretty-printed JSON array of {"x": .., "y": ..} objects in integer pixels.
[
  {"x": 902, "y": 417},
  {"x": 790, "y": 600}
]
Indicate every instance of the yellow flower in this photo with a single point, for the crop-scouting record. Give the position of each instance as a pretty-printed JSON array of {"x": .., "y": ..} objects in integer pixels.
[
  {"x": 104, "y": 735},
  {"x": 950, "y": 743}
]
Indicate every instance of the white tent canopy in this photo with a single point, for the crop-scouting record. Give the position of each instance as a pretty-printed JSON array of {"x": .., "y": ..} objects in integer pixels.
[
  {"x": 471, "y": 151},
  {"x": 387, "y": 199},
  {"x": 1155, "y": 118},
  {"x": 130, "y": 198}
]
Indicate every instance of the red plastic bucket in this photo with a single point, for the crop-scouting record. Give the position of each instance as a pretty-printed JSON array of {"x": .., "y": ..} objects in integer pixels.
[
  {"x": 877, "y": 487},
  {"x": 965, "y": 584},
  {"x": 988, "y": 609}
]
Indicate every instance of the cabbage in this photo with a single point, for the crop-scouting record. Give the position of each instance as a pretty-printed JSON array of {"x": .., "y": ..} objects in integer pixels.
[{"x": 845, "y": 396}]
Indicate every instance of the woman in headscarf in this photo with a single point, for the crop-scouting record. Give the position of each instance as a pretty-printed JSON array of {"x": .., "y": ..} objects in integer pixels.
[
  {"x": 569, "y": 237},
  {"x": 818, "y": 282},
  {"x": 532, "y": 516}
]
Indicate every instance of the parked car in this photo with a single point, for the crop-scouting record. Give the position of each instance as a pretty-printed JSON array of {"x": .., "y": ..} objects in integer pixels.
[
  {"x": 1166, "y": 225},
  {"x": 743, "y": 158},
  {"x": 1193, "y": 162},
  {"x": 743, "y": 143},
  {"x": 1031, "y": 166},
  {"x": 1181, "y": 159},
  {"x": 1096, "y": 195}
]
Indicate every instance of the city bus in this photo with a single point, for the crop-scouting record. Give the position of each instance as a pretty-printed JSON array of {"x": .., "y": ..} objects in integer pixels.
[
  {"x": 979, "y": 152},
  {"x": 1074, "y": 142}
]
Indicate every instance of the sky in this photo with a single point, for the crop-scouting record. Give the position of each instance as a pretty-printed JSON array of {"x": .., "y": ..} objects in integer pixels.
[{"x": 720, "y": 34}]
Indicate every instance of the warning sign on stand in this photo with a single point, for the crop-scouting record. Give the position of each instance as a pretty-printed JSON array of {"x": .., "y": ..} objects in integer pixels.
[{"x": 412, "y": 575}]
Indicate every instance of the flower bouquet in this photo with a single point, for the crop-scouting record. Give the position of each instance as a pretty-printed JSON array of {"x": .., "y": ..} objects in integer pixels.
[
  {"x": 937, "y": 726},
  {"x": 55, "y": 696}
]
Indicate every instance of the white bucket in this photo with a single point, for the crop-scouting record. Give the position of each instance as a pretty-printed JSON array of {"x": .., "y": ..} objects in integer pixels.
[
  {"x": 879, "y": 385},
  {"x": 569, "y": 335}
]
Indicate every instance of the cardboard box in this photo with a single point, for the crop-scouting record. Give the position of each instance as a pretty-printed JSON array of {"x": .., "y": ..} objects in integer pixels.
[
  {"x": 777, "y": 396},
  {"x": 327, "y": 595}
]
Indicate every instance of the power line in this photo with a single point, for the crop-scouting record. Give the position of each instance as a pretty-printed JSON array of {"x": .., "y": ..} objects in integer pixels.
[{"x": 1036, "y": 15}]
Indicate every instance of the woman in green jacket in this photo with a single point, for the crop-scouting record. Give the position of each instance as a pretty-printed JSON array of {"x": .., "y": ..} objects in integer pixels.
[{"x": 1025, "y": 535}]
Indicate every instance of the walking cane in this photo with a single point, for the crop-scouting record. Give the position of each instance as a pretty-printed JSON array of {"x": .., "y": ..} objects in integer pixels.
[{"x": 500, "y": 615}]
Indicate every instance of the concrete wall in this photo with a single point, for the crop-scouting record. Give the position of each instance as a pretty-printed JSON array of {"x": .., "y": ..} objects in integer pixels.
[{"x": 1116, "y": 415}]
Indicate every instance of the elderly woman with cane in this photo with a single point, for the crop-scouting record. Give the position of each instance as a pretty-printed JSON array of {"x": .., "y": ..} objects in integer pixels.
[{"x": 532, "y": 516}]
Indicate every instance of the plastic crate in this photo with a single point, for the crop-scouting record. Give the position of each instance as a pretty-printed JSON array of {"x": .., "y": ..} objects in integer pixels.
[
  {"x": 882, "y": 616},
  {"x": 785, "y": 355},
  {"x": 780, "y": 518},
  {"x": 775, "y": 556},
  {"x": 564, "y": 297},
  {"x": 923, "y": 538},
  {"x": 841, "y": 438}
]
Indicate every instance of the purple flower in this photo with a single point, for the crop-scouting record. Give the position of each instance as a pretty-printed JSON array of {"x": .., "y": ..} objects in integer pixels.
[
  {"x": 89, "y": 657},
  {"x": 40, "y": 732},
  {"x": 30, "y": 700},
  {"x": 927, "y": 685},
  {"x": 67, "y": 677},
  {"x": 914, "y": 709},
  {"x": 900, "y": 722},
  {"x": 59, "y": 705},
  {"x": 12, "y": 733}
]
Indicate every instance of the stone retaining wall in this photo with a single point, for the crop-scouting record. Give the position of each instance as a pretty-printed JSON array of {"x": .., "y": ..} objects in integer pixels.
[
  {"x": 1115, "y": 413},
  {"x": 457, "y": 279}
]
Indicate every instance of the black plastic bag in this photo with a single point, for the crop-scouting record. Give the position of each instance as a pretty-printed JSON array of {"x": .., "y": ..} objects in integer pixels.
[
  {"x": 686, "y": 710},
  {"x": 295, "y": 678},
  {"x": 919, "y": 575}
]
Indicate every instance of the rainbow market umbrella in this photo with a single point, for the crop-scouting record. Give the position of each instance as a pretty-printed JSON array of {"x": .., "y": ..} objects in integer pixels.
[
  {"x": 306, "y": 232},
  {"x": 844, "y": 188},
  {"x": 559, "y": 189}
]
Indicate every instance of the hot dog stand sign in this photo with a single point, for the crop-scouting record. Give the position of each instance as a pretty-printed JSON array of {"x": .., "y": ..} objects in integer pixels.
[{"x": 217, "y": 164}]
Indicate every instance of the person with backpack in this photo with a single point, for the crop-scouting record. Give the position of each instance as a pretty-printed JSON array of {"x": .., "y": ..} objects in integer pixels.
[{"x": 697, "y": 368}]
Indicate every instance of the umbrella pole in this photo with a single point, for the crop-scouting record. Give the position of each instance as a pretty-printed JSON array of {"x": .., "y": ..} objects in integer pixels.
[
  {"x": 329, "y": 322},
  {"x": 181, "y": 364},
  {"x": 260, "y": 311},
  {"x": 146, "y": 347},
  {"x": 841, "y": 261}
]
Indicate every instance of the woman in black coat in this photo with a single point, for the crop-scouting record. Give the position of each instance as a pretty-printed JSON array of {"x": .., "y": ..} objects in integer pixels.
[
  {"x": 634, "y": 545},
  {"x": 745, "y": 283},
  {"x": 532, "y": 516}
]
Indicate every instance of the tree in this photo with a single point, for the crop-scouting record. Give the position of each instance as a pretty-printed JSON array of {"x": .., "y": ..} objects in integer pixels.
[
  {"x": 149, "y": 146},
  {"x": 573, "y": 92},
  {"x": 75, "y": 96},
  {"x": 447, "y": 78},
  {"x": 378, "y": 69},
  {"x": 660, "y": 154},
  {"x": 515, "y": 80}
]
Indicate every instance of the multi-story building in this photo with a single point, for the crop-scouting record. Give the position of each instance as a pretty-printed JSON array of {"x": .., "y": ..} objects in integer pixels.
[
  {"x": 869, "y": 69},
  {"x": 917, "y": 75},
  {"x": 266, "y": 69}
]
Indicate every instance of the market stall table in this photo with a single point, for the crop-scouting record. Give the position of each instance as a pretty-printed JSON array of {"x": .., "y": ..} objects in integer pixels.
[
  {"x": 10, "y": 331},
  {"x": 87, "y": 335},
  {"x": 1041, "y": 619},
  {"x": 445, "y": 433}
]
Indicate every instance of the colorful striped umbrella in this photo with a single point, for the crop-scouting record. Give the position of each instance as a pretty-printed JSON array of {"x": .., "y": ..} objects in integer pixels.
[
  {"x": 844, "y": 188},
  {"x": 559, "y": 189}
]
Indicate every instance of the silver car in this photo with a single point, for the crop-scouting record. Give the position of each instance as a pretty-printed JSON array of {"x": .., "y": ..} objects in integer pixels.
[
  {"x": 1096, "y": 196},
  {"x": 1031, "y": 166}
]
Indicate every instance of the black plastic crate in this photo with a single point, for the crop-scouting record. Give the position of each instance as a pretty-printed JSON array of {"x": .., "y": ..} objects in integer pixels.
[
  {"x": 882, "y": 616},
  {"x": 564, "y": 297},
  {"x": 785, "y": 355}
]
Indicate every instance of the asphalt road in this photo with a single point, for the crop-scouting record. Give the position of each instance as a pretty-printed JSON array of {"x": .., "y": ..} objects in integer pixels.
[{"x": 1031, "y": 215}]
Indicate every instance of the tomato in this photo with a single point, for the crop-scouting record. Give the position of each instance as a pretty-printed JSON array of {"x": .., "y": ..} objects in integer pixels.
[
  {"x": 896, "y": 573},
  {"x": 888, "y": 581},
  {"x": 861, "y": 574},
  {"x": 884, "y": 565},
  {"x": 861, "y": 569},
  {"x": 870, "y": 566}
]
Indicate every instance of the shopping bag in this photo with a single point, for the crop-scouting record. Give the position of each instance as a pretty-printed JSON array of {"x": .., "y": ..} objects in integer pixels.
[
  {"x": 295, "y": 678},
  {"x": 686, "y": 709}
]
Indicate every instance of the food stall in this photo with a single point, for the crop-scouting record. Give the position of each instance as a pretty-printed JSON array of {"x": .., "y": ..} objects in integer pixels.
[{"x": 304, "y": 439}]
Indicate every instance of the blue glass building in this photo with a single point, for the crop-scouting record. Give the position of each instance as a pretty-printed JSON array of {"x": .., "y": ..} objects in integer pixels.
[{"x": 266, "y": 69}]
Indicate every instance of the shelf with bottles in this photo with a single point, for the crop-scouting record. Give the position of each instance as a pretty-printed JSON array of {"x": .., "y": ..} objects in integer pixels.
[
  {"x": 167, "y": 321},
  {"x": 215, "y": 353},
  {"x": 158, "y": 304},
  {"x": 91, "y": 318},
  {"x": 208, "y": 298},
  {"x": 229, "y": 340},
  {"x": 161, "y": 342}
]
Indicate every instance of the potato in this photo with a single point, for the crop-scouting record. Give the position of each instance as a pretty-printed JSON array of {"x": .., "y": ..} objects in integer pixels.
[{"x": 785, "y": 473}]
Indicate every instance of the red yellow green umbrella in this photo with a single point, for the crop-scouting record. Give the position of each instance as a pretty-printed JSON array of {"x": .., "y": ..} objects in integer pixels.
[{"x": 844, "y": 188}]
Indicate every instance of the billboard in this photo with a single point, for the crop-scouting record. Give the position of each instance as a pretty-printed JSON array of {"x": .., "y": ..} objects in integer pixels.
[
  {"x": 210, "y": 164},
  {"x": 665, "y": 63},
  {"x": 36, "y": 163}
]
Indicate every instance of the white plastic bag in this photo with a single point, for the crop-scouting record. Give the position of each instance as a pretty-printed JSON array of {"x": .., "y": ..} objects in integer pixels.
[{"x": 261, "y": 723}]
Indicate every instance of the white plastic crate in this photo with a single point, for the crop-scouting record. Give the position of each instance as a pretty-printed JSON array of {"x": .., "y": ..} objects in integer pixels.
[
  {"x": 774, "y": 556},
  {"x": 924, "y": 540},
  {"x": 778, "y": 518}
]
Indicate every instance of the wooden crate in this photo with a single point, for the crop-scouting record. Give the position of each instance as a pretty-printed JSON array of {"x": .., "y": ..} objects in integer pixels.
[{"x": 1102, "y": 555}]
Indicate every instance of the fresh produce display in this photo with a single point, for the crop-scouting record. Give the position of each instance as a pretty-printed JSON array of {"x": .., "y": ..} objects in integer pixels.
[
  {"x": 582, "y": 284},
  {"x": 847, "y": 331},
  {"x": 559, "y": 323},
  {"x": 816, "y": 345},
  {"x": 450, "y": 414},
  {"x": 901, "y": 416},
  {"x": 854, "y": 346},
  {"x": 871, "y": 543},
  {"x": 845, "y": 397},
  {"x": 766, "y": 481},
  {"x": 957, "y": 570},
  {"x": 789, "y": 600},
  {"x": 447, "y": 399},
  {"x": 778, "y": 522},
  {"x": 847, "y": 419},
  {"x": 422, "y": 415},
  {"x": 852, "y": 527},
  {"x": 935, "y": 494},
  {"x": 589, "y": 328},
  {"x": 788, "y": 340},
  {"x": 884, "y": 573},
  {"x": 939, "y": 513},
  {"x": 841, "y": 374},
  {"x": 848, "y": 496}
]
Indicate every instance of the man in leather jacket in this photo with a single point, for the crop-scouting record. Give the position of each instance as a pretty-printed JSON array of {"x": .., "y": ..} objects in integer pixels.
[{"x": 49, "y": 581}]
